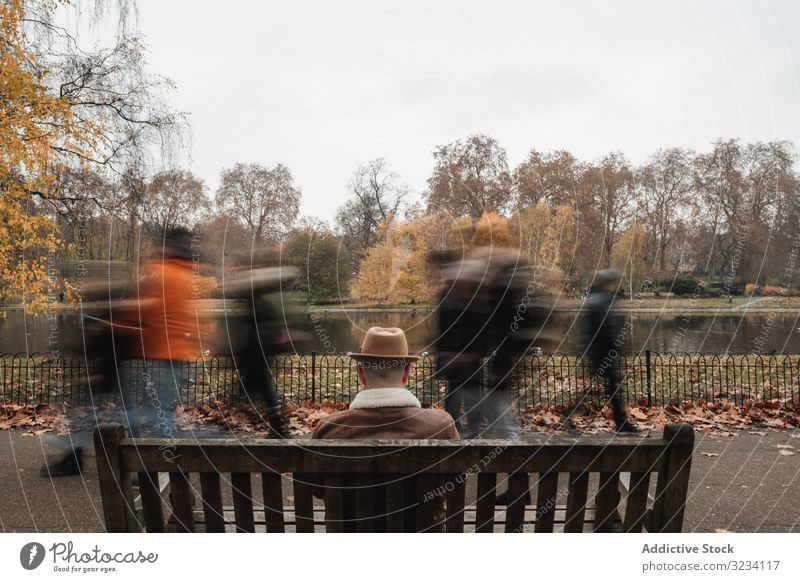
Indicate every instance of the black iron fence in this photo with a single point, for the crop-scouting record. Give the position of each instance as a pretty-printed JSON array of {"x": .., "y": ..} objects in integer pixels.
[{"x": 647, "y": 378}]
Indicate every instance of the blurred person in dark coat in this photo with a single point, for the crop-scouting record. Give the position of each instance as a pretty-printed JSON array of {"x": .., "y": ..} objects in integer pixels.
[
  {"x": 266, "y": 326},
  {"x": 603, "y": 340},
  {"x": 101, "y": 346},
  {"x": 491, "y": 306}
]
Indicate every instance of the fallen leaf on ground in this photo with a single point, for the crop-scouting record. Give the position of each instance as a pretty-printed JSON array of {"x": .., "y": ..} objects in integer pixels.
[
  {"x": 710, "y": 454},
  {"x": 785, "y": 453},
  {"x": 718, "y": 419}
]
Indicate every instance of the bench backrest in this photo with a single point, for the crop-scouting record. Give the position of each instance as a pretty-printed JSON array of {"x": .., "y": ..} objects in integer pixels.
[{"x": 396, "y": 485}]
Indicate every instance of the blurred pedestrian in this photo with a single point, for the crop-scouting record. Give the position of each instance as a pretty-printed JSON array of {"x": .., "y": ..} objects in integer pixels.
[
  {"x": 101, "y": 346},
  {"x": 165, "y": 334},
  {"x": 265, "y": 327},
  {"x": 604, "y": 339},
  {"x": 488, "y": 306}
]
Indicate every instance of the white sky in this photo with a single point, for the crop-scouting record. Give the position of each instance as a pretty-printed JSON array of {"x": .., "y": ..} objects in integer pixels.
[{"x": 323, "y": 86}]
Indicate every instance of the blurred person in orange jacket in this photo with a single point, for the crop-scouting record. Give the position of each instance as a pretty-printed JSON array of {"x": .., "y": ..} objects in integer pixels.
[{"x": 168, "y": 336}]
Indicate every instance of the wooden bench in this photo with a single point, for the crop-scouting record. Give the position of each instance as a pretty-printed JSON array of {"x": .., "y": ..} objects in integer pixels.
[{"x": 570, "y": 484}]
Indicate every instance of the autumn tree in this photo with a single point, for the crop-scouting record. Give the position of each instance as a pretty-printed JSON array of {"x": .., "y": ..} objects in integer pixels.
[
  {"x": 665, "y": 185},
  {"x": 225, "y": 242},
  {"x": 173, "y": 198},
  {"x": 470, "y": 177},
  {"x": 492, "y": 230},
  {"x": 84, "y": 212},
  {"x": 546, "y": 177},
  {"x": 558, "y": 245},
  {"x": 412, "y": 243},
  {"x": 740, "y": 191},
  {"x": 375, "y": 193},
  {"x": 628, "y": 259},
  {"x": 374, "y": 280},
  {"x": 33, "y": 124},
  {"x": 606, "y": 204},
  {"x": 265, "y": 200},
  {"x": 325, "y": 264},
  {"x": 721, "y": 210},
  {"x": 63, "y": 107},
  {"x": 460, "y": 233},
  {"x": 529, "y": 225}
]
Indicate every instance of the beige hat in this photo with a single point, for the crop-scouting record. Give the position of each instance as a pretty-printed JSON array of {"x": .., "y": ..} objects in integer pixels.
[{"x": 384, "y": 343}]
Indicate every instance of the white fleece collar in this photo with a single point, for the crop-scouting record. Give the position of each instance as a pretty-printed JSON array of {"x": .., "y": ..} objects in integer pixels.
[{"x": 385, "y": 398}]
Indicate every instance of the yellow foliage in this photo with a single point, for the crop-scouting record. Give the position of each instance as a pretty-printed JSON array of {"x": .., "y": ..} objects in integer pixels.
[
  {"x": 558, "y": 245},
  {"x": 492, "y": 230},
  {"x": 374, "y": 279},
  {"x": 396, "y": 269},
  {"x": 530, "y": 226},
  {"x": 459, "y": 235},
  {"x": 626, "y": 257},
  {"x": 37, "y": 130}
]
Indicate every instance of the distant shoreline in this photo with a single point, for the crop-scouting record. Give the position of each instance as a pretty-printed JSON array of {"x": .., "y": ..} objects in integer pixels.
[{"x": 759, "y": 305}]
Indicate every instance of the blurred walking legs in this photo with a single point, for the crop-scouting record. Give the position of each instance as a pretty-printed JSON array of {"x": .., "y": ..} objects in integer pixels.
[
  {"x": 256, "y": 378},
  {"x": 464, "y": 390},
  {"x": 501, "y": 421},
  {"x": 150, "y": 395},
  {"x": 494, "y": 406}
]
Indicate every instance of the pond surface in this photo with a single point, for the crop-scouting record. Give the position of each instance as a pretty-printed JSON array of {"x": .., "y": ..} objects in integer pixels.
[{"x": 342, "y": 331}]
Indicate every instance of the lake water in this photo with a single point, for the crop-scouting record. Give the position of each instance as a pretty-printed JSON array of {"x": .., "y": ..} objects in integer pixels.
[{"x": 341, "y": 332}]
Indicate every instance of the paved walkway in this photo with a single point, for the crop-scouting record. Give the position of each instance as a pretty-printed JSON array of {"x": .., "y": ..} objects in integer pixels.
[{"x": 748, "y": 487}]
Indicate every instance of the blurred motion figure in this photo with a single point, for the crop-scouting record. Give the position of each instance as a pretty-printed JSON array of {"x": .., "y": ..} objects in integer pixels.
[
  {"x": 492, "y": 305},
  {"x": 603, "y": 333},
  {"x": 164, "y": 332},
  {"x": 264, "y": 328}
]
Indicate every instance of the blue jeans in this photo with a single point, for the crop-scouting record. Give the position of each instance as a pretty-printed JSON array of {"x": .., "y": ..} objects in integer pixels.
[{"x": 150, "y": 393}]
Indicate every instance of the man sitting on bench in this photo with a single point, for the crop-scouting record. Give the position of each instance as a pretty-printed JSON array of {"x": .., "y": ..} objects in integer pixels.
[{"x": 385, "y": 408}]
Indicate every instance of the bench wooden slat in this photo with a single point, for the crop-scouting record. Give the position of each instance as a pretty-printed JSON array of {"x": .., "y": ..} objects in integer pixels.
[
  {"x": 379, "y": 506},
  {"x": 518, "y": 491},
  {"x": 426, "y": 503},
  {"x": 334, "y": 514},
  {"x": 636, "y": 503},
  {"x": 151, "y": 502},
  {"x": 115, "y": 494},
  {"x": 456, "y": 498},
  {"x": 606, "y": 502},
  {"x": 395, "y": 505},
  {"x": 181, "y": 496},
  {"x": 576, "y": 501},
  {"x": 365, "y": 504},
  {"x": 673, "y": 478},
  {"x": 303, "y": 503},
  {"x": 469, "y": 521},
  {"x": 273, "y": 502},
  {"x": 212, "y": 502},
  {"x": 547, "y": 490},
  {"x": 242, "y": 491},
  {"x": 487, "y": 489},
  {"x": 439, "y": 457}
]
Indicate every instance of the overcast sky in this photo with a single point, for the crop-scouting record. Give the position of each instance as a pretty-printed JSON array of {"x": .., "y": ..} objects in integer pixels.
[{"x": 323, "y": 86}]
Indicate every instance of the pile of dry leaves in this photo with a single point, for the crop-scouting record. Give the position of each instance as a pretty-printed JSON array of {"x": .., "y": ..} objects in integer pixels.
[{"x": 721, "y": 418}]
